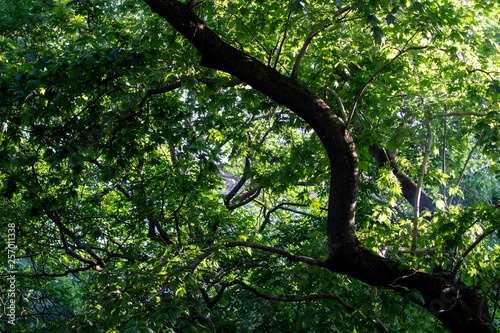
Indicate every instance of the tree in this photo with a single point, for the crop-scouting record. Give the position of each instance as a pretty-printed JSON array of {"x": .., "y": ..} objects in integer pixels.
[{"x": 232, "y": 166}]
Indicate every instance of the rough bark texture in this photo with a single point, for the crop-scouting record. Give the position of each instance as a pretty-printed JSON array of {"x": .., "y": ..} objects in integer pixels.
[{"x": 347, "y": 255}]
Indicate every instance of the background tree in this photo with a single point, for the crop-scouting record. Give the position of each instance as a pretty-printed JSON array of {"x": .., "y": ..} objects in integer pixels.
[{"x": 265, "y": 166}]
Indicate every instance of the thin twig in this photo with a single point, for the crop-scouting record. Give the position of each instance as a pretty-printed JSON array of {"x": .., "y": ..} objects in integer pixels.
[
  {"x": 282, "y": 40},
  {"x": 465, "y": 165},
  {"x": 443, "y": 161},
  {"x": 451, "y": 114},
  {"x": 483, "y": 300},
  {"x": 302, "y": 53},
  {"x": 290, "y": 256},
  {"x": 339, "y": 102},
  {"x": 378, "y": 324},
  {"x": 423, "y": 170},
  {"x": 309, "y": 38},
  {"x": 400, "y": 53},
  {"x": 466, "y": 253},
  {"x": 176, "y": 85}
]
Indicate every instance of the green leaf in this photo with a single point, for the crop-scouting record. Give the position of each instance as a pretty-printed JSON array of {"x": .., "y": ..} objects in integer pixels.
[
  {"x": 419, "y": 6},
  {"x": 297, "y": 6},
  {"x": 128, "y": 165},
  {"x": 494, "y": 88},
  {"x": 378, "y": 35},
  {"x": 373, "y": 20},
  {"x": 390, "y": 19}
]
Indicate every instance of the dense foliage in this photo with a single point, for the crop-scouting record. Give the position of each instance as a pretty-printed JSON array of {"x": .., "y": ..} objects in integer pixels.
[{"x": 149, "y": 193}]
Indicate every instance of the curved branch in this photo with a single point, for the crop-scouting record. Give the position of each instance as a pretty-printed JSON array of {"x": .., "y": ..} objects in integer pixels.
[
  {"x": 282, "y": 40},
  {"x": 302, "y": 53},
  {"x": 245, "y": 286},
  {"x": 338, "y": 142},
  {"x": 281, "y": 206},
  {"x": 54, "y": 216},
  {"x": 286, "y": 254},
  {"x": 465, "y": 164},
  {"x": 378, "y": 324},
  {"x": 339, "y": 103},
  {"x": 400, "y": 53},
  {"x": 309, "y": 38},
  {"x": 247, "y": 197},
  {"x": 408, "y": 186},
  {"x": 346, "y": 253},
  {"x": 423, "y": 171},
  {"x": 212, "y": 301},
  {"x": 268, "y": 216},
  {"x": 176, "y": 85},
  {"x": 466, "y": 253},
  {"x": 238, "y": 186}
]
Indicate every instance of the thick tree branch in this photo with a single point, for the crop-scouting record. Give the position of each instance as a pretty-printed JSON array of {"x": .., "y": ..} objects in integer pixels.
[
  {"x": 288, "y": 92},
  {"x": 408, "y": 186},
  {"x": 212, "y": 301},
  {"x": 246, "y": 197},
  {"x": 237, "y": 186},
  {"x": 347, "y": 255}
]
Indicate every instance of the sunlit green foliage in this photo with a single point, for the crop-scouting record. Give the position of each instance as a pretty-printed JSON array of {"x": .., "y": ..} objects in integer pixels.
[{"x": 119, "y": 149}]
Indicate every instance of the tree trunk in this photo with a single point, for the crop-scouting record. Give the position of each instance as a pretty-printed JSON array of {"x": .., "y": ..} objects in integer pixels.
[{"x": 347, "y": 255}]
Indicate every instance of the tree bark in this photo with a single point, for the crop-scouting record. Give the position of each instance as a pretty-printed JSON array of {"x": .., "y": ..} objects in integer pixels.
[
  {"x": 346, "y": 254},
  {"x": 408, "y": 186}
]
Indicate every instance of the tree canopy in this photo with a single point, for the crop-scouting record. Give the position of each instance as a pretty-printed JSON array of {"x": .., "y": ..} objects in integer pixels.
[{"x": 238, "y": 166}]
